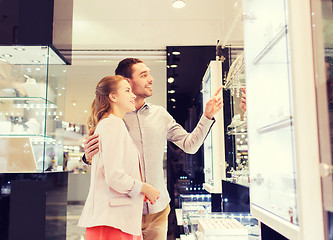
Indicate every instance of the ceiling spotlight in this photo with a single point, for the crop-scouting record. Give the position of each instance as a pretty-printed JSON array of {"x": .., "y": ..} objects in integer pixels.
[
  {"x": 173, "y": 66},
  {"x": 173, "y": 100},
  {"x": 178, "y": 4},
  {"x": 176, "y": 53},
  {"x": 171, "y": 80},
  {"x": 171, "y": 91}
]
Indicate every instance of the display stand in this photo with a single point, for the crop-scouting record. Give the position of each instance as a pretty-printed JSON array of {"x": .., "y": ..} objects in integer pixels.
[{"x": 33, "y": 206}]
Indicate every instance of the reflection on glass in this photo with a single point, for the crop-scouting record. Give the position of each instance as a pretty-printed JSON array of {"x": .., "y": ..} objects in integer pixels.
[
  {"x": 322, "y": 26},
  {"x": 237, "y": 170}
]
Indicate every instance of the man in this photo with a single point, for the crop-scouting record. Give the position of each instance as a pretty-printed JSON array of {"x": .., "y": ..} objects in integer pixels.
[{"x": 150, "y": 126}]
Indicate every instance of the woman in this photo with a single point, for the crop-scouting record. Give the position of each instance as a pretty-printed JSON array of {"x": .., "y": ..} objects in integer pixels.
[{"x": 113, "y": 209}]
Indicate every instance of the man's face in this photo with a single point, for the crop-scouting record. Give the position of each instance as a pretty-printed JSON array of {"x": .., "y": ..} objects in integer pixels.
[{"x": 141, "y": 81}]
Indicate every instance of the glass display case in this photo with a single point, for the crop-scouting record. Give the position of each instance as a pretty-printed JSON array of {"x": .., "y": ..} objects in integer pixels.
[
  {"x": 237, "y": 169},
  {"x": 200, "y": 223},
  {"x": 273, "y": 183},
  {"x": 285, "y": 190},
  {"x": 214, "y": 153},
  {"x": 32, "y": 101}
]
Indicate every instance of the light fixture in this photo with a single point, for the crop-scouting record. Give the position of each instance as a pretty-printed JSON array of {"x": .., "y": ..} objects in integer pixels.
[
  {"x": 171, "y": 80},
  {"x": 174, "y": 65},
  {"x": 19, "y": 49},
  {"x": 173, "y": 100},
  {"x": 178, "y": 4},
  {"x": 176, "y": 53},
  {"x": 35, "y": 61},
  {"x": 6, "y": 55},
  {"x": 171, "y": 91}
]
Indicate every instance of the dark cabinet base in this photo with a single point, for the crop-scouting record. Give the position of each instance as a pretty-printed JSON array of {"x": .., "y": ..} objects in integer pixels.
[{"x": 33, "y": 206}]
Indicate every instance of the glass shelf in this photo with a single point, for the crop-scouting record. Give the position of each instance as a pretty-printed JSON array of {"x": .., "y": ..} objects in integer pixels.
[
  {"x": 238, "y": 130},
  {"x": 284, "y": 122},
  {"x": 29, "y": 102},
  {"x": 280, "y": 35}
]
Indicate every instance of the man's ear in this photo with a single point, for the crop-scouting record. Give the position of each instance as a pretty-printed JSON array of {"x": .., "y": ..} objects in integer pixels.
[{"x": 112, "y": 97}]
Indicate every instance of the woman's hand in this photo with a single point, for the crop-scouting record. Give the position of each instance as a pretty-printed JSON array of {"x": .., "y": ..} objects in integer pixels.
[{"x": 151, "y": 193}]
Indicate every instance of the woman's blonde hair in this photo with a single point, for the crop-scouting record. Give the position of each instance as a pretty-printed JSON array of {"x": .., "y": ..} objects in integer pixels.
[{"x": 101, "y": 106}]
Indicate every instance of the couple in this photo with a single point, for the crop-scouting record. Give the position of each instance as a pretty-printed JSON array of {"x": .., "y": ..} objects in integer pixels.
[{"x": 124, "y": 173}]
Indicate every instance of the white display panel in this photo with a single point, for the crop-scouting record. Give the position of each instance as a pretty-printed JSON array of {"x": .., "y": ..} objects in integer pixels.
[
  {"x": 269, "y": 110},
  {"x": 214, "y": 153},
  {"x": 271, "y": 140}
]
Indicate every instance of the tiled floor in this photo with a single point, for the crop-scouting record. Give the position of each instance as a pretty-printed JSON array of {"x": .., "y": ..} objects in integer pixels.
[{"x": 73, "y": 231}]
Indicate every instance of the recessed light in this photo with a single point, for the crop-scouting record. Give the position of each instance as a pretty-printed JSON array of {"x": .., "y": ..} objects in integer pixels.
[
  {"x": 176, "y": 53},
  {"x": 173, "y": 66},
  {"x": 171, "y": 80},
  {"x": 173, "y": 100},
  {"x": 7, "y": 55},
  {"x": 178, "y": 4},
  {"x": 19, "y": 49},
  {"x": 171, "y": 91}
]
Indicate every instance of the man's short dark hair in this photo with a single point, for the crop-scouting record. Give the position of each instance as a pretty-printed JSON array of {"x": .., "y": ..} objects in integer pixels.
[{"x": 124, "y": 67}]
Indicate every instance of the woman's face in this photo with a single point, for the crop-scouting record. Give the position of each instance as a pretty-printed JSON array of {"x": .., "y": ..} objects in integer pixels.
[{"x": 125, "y": 97}]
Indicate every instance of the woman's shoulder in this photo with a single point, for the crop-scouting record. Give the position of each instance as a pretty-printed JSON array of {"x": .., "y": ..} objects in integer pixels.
[{"x": 110, "y": 122}]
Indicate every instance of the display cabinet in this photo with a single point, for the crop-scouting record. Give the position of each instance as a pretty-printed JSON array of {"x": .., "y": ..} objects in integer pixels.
[
  {"x": 285, "y": 187},
  {"x": 200, "y": 223},
  {"x": 32, "y": 100},
  {"x": 214, "y": 150}
]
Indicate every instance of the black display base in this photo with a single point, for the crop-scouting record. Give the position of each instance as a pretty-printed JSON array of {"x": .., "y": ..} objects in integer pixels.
[
  {"x": 235, "y": 197},
  {"x": 268, "y": 233},
  {"x": 216, "y": 202},
  {"x": 33, "y": 206}
]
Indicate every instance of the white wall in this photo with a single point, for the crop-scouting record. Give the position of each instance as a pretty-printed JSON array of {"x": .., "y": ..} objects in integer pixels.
[{"x": 82, "y": 80}]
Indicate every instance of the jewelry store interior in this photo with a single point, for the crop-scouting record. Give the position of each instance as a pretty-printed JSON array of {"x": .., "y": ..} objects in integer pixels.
[{"x": 264, "y": 171}]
